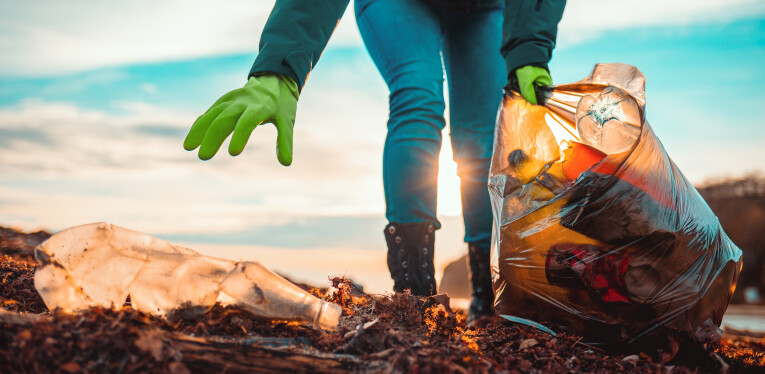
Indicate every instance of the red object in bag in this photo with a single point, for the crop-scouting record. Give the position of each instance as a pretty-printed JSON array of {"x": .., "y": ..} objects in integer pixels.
[{"x": 578, "y": 158}]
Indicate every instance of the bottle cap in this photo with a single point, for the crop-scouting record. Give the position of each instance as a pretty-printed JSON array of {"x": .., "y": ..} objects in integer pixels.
[{"x": 328, "y": 316}]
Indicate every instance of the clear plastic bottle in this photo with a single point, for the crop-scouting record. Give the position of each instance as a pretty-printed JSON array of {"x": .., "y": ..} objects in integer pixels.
[
  {"x": 100, "y": 264},
  {"x": 609, "y": 122}
]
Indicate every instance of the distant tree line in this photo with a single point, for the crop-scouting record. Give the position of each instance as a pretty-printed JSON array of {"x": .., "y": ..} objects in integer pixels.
[
  {"x": 752, "y": 185},
  {"x": 739, "y": 204}
]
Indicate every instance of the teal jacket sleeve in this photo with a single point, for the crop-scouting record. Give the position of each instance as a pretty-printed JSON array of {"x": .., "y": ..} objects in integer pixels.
[
  {"x": 295, "y": 36},
  {"x": 529, "y": 31}
]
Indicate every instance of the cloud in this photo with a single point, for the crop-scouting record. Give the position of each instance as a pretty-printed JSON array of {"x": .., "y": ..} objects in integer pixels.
[
  {"x": 51, "y": 37},
  {"x": 587, "y": 19},
  {"x": 149, "y": 87},
  {"x": 57, "y": 138},
  {"x": 44, "y": 38},
  {"x": 12, "y": 135},
  {"x": 61, "y": 165},
  {"x": 147, "y": 136}
]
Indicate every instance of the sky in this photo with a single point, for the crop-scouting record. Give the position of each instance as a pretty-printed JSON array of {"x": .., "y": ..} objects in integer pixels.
[{"x": 96, "y": 98}]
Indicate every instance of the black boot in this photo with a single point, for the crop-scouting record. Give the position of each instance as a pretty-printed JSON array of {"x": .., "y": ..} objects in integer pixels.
[
  {"x": 482, "y": 304},
  {"x": 410, "y": 257}
]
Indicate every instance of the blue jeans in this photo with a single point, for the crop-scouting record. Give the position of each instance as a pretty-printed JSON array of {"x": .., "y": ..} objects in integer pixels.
[{"x": 406, "y": 40}]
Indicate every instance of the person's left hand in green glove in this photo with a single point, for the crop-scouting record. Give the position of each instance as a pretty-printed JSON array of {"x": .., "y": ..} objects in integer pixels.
[
  {"x": 529, "y": 79},
  {"x": 267, "y": 98}
]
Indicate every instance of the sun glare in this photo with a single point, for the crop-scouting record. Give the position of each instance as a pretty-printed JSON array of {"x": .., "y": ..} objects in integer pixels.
[{"x": 448, "y": 182}]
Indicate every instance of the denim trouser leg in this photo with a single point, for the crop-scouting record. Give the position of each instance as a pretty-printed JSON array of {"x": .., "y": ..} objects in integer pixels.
[
  {"x": 403, "y": 38},
  {"x": 476, "y": 74}
]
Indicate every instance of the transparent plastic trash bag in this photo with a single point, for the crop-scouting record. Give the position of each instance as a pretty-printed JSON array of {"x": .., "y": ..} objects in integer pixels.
[
  {"x": 100, "y": 264},
  {"x": 596, "y": 230}
]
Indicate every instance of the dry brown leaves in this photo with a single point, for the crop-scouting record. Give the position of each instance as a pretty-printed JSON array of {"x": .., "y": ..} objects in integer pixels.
[
  {"x": 17, "y": 288},
  {"x": 387, "y": 333},
  {"x": 742, "y": 353}
]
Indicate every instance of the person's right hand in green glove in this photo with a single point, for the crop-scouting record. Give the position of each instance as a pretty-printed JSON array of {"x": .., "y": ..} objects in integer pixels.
[{"x": 267, "y": 98}]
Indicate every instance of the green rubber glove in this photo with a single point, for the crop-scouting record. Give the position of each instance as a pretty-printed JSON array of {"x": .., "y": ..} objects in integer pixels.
[
  {"x": 530, "y": 77},
  {"x": 268, "y": 98}
]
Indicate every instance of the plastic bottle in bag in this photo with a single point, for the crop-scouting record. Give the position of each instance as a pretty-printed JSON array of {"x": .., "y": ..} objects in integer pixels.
[{"x": 609, "y": 122}]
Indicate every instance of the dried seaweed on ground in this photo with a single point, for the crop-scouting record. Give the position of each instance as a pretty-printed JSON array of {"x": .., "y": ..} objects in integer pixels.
[
  {"x": 100, "y": 340},
  {"x": 397, "y": 333},
  {"x": 377, "y": 333},
  {"x": 421, "y": 334},
  {"x": 17, "y": 287},
  {"x": 17, "y": 267},
  {"x": 741, "y": 353}
]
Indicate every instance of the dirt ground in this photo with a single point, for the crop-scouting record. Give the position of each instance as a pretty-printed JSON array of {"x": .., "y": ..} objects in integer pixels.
[{"x": 378, "y": 333}]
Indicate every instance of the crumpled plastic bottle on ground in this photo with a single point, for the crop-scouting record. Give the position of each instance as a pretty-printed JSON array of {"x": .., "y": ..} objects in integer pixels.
[
  {"x": 100, "y": 264},
  {"x": 596, "y": 230}
]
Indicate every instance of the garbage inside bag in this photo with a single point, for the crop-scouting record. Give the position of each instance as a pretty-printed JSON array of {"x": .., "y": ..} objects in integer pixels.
[
  {"x": 100, "y": 264},
  {"x": 597, "y": 232}
]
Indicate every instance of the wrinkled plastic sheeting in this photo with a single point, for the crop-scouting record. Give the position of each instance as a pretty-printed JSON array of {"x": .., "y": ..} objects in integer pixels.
[
  {"x": 101, "y": 264},
  {"x": 626, "y": 248}
]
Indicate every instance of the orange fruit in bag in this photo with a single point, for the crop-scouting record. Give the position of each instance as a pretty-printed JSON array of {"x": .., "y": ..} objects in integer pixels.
[{"x": 578, "y": 158}]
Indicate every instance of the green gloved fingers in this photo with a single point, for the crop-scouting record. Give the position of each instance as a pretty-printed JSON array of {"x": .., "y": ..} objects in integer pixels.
[
  {"x": 529, "y": 78},
  {"x": 249, "y": 120},
  {"x": 284, "y": 127},
  {"x": 200, "y": 126},
  {"x": 269, "y": 98},
  {"x": 219, "y": 129}
]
